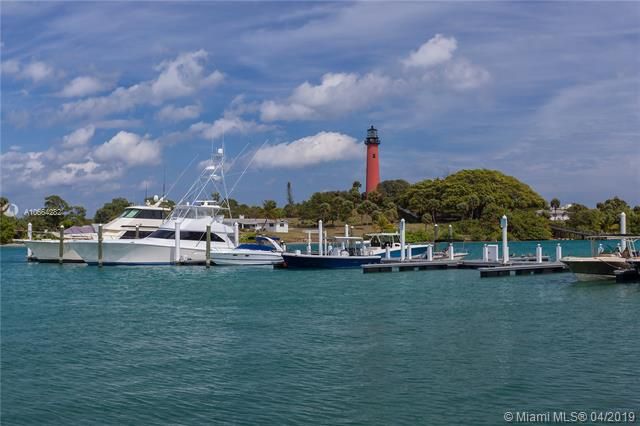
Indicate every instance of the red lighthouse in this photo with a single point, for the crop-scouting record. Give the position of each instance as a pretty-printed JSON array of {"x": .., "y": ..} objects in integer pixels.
[{"x": 373, "y": 167}]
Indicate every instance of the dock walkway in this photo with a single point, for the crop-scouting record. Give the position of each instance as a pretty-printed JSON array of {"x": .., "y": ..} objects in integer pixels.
[{"x": 486, "y": 269}]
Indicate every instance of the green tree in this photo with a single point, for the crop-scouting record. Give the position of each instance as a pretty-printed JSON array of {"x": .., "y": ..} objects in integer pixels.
[
  {"x": 111, "y": 210},
  {"x": 270, "y": 209},
  {"x": 554, "y": 203},
  {"x": 346, "y": 208}
]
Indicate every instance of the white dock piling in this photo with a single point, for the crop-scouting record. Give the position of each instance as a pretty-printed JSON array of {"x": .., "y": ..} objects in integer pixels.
[
  {"x": 208, "y": 247},
  {"x": 558, "y": 252},
  {"x": 538, "y": 253},
  {"x": 387, "y": 252},
  {"x": 236, "y": 234},
  {"x": 137, "y": 231},
  {"x": 485, "y": 253},
  {"x": 326, "y": 244},
  {"x": 61, "y": 245},
  {"x": 320, "y": 245},
  {"x": 430, "y": 252},
  {"x": 623, "y": 229},
  {"x": 409, "y": 252},
  {"x": 505, "y": 243},
  {"x": 346, "y": 230},
  {"x": 402, "y": 240},
  {"x": 100, "y": 239},
  {"x": 177, "y": 243},
  {"x": 451, "y": 253},
  {"x": 309, "y": 243},
  {"x": 29, "y": 237}
]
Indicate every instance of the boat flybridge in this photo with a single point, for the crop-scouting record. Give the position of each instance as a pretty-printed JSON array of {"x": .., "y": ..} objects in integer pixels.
[
  {"x": 182, "y": 237},
  {"x": 136, "y": 221},
  {"x": 603, "y": 263}
]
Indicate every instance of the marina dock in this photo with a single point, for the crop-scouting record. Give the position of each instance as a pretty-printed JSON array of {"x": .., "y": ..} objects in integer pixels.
[{"x": 487, "y": 269}]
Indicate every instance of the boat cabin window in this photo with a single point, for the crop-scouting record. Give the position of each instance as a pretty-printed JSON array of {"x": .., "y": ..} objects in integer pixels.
[
  {"x": 185, "y": 235},
  {"x": 142, "y": 214},
  {"x": 384, "y": 240},
  {"x": 129, "y": 213},
  {"x": 150, "y": 214},
  {"x": 130, "y": 235}
]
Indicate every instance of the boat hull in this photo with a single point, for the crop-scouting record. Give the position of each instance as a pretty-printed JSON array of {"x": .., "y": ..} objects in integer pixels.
[
  {"x": 138, "y": 252},
  {"x": 310, "y": 261},
  {"x": 49, "y": 250},
  {"x": 394, "y": 253},
  {"x": 246, "y": 257},
  {"x": 595, "y": 268}
]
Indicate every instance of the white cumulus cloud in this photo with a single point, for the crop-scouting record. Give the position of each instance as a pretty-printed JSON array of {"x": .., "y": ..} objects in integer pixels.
[
  {"x": 227, "y": 125},
  {"x": 78, "y": 137},
  {"x": 437, "y": 50},
  {"x": 180, "y": 77},
  {"x": 83, "y": 86},
  {"x": 316, "y": 149},
  {"x": 337, "y": 93},
  {"x": 130, "y": 149},
  {"x": 74, "y": 173},
  {"x": 174, "y": 114}
]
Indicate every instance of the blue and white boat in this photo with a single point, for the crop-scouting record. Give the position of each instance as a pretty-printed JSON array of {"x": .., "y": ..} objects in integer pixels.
[
  {"x": 349, "y": 252},
  {"x": 265, "y": 251},
  {"x": 379, "y": 242}
]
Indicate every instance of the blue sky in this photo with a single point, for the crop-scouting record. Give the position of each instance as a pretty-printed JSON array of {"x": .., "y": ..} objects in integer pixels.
[{"x": 99, "y": 99}]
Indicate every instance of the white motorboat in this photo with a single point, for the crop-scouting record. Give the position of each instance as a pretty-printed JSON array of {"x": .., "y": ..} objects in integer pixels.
[
  {"x": 379, "y": 242},
  {"x": 265, "y": 251},
  {"x": 601, "y": 265},
  {"x": 134, "y": 222},
  {"x": 182, "y": 238}
]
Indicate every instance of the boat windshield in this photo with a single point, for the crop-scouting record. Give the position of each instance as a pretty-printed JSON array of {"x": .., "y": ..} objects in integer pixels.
[
  {"x": 129, "y": 213},
  {"x": 384, "y": 240},
  {"x": 194, "y": 212}
]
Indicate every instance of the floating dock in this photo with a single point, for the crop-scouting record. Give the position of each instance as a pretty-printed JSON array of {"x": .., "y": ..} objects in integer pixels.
[{"x": 487, "y": 269}]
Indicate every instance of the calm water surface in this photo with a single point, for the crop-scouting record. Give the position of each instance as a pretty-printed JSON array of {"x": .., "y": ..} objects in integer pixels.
[{"x": 186, "y": 345}]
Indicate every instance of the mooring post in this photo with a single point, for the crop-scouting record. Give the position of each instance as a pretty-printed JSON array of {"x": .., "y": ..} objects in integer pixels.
[
  {"x": 409, "y": 249},
  {"x": 236, "y": 234},
  {"x": 402, "y": 240},
  {"x": 623, "y": 229},
  {"x": 387, "y": 252},
  {"x": 309, "y": 242},
  {"x": 61, "y": 245},
  {"x": 176, "y": 252},
  {"x": 505, "y": 243},
  {"x": 451, "y": 253},
  {"x": 485, "y": 253},
  {"x": 326, "y": 244},
  {"x": 558, "y": 252},
  {"x": 429, "y": 252},
  {"x": 320, "y": 245},
  {"x": 100, "y": 245},
  {"x": 208, "y": 247},
  {"x": 29, "y": 237},
  {"x": 538, "y": 253},
  {"x": 346, "y": 230},
  {"x": 137, "y": 231}
]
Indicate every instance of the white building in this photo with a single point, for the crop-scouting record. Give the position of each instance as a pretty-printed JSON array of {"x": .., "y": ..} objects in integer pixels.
[
  {"x": 557, "y": 215},
  {"x": 260, "y": 225}
]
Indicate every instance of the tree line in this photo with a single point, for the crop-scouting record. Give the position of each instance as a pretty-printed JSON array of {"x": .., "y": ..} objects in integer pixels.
[{"x": 472, "y": 201}]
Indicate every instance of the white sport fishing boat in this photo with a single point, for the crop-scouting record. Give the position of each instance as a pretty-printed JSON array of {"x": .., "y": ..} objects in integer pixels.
[
  {"x": 182, "y": 238},
  {"x": 265, "y": 251},
  {"x": 134, "y": 222}
]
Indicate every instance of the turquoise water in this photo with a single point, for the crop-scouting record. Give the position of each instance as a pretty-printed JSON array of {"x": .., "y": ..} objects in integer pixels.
[{"x": 186, "y": 345}]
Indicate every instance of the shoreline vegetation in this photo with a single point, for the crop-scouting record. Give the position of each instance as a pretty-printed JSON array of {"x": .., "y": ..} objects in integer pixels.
[{"x": 469, "y": 202}]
